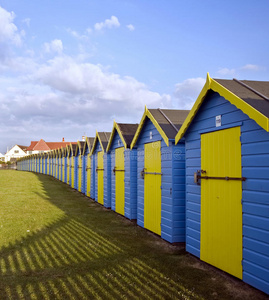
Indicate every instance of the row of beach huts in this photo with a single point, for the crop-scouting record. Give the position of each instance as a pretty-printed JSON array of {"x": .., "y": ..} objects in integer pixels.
[{"x": 200, "y": 177}]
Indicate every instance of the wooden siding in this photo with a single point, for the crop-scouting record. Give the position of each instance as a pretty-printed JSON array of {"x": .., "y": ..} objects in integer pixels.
[
  {"x": 173, "y": 184},
  {"x": 107, "y": 181},
  {"x": 255, "y": 204},
  {"x": 116, "y": 143}
]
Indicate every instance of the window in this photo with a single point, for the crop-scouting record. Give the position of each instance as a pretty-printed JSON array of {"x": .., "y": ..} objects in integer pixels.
[{"x": 16, "y": 151}]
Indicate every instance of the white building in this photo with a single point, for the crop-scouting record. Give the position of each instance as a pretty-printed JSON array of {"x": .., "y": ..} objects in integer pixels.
[
  {"x": 15, "y": 152},
  {"x": 2, "y": 157}
]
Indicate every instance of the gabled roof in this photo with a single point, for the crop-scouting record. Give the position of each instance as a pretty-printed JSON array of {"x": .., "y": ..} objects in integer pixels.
[
  {"x": 252, "y": 97},
  {"x": 103, "y": 138},
  {"x": 89, "y": 143},
  {"x": 72, "y": 149},
  {"x": 166, "y": 121},
  {"x": 23, "y": 148},
  {"x": 32, "y": 145},
  {"x": 80, "y": 147},
  {"x": 42, "y": 145},
  {"x": 126, "y": 133}
]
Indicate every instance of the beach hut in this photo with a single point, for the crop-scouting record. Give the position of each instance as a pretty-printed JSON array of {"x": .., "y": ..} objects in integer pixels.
[
  {"x": 227, "y": 180},
  {"x": 87, "y": 166},
  {"x": 55, "y": 164},
  {"x": 100, "y": 175},
  {"x": 68, "y": 163},
  {"x": 50, "y": 157},
  {"x": 161, "y": 173},
  {"x": 79, "y": 156},
  {"x": 73, "y": 164},
  {"x": 63, "y": 155},
  {"x": 123, "y": 170}
]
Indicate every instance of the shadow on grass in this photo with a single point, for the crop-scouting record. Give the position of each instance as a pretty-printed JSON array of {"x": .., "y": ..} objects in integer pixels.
[{"x": 92, "y": 253}]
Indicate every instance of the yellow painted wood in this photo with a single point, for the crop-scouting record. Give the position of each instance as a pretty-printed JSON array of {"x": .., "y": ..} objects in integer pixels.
[
  {"x": 79, "y": 173},
  {"x": 73, "y": 172},
  {"x": 147, "y": 114},
  {"x": 119, "y": 181},
  {"x": 221, "y": 208},
  {"x": 211, "y": 84},
  {"x": 63, "y": 168},
  {"x": 89, "y": 175},
  {"x": 48, "y": 165},
  {"x": 68, "y": 170},
  {"x": 100, "y": 178},
  {"x": 152, "y": 187}
]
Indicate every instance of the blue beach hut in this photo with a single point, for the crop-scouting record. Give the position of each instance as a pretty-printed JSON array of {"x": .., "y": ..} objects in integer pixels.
[
  {"x": 227, "y": 179},
  {"x": 100, "y": 166},
  {"x": 87, "y": 166},
  {"x": 161, "y": 173},
  {"x": 123, "y": 170}
]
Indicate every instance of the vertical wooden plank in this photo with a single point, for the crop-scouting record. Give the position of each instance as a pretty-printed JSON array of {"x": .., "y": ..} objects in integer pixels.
[
  {"x": 88, "y": 175},
  {"x": 221, "y": 208},
  {"x": 100, "y": 166},
  {"x": 119, "y": 186},
  {"x": 152, "y": 187}
]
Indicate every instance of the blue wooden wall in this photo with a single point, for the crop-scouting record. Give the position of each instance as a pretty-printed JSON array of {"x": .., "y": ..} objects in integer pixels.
[
  {"x": 107, "y": 180},
  {"x": 130, "y": 178},
  {"x": 97, "y": 149},
  {"x": 255, "y": 203},
  {"x": 173, "y": 192}
]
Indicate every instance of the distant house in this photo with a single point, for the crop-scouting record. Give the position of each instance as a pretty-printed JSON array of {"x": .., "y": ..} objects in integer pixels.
[
  {"x": 41, "y": 146},
  {"x": 2, "y": 157},
  {"x": 15, "y": 152}
]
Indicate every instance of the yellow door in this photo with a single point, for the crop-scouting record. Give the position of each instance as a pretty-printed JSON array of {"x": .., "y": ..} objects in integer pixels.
[
  {"x": 119, "y": 180},
  {"x": 68, "y": 170},
  {"x": 100, "y": 176},
  {"x": 88, "y": 175},
  {"x": 221, "y": 209},
  {"x": 73, "y": 172},
  {"x": 79, "y": 172},
  {"x": 152, "y": 187},
  {"x": 60, "y": 168},
  {"x": 63, "y": 166}
]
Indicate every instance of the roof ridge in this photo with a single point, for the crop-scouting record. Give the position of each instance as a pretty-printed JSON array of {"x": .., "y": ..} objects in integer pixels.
[
  {"x": 251, "y": 89},
  {"x": 169, "y": 121}
]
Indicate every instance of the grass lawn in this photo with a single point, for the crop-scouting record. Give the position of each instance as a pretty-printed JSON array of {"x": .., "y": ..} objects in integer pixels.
[{"x": 56, "y": 243}]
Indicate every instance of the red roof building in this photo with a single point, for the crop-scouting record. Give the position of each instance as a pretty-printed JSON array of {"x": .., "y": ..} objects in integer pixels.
[{"x": 42, "y": 146}]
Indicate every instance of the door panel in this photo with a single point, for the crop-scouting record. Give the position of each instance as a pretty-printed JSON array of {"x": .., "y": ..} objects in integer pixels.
[
  {"x": 88, "y": 175},
  {"x": 68, "y": 170},
  {"x": 100, "y": 178},
  {"x": 152, "y": 187},
  {"x": 119, "y": 181},
  {"x": 221, "y": 209},
  {"x": 79, "y": 172},
  {"x": 73, "y": 172}
]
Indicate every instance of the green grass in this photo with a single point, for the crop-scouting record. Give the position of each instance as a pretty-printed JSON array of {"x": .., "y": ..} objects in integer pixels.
[{"x": 56, "y": 243}]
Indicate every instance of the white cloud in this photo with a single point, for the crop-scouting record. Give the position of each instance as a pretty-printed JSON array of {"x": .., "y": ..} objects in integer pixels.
[
  {"x": 131, "y": 27},
  {"x": 27, "y": 21},
  {"x": 55, "y": 46},
  {"x": 8, "y": 30},
  {"x": 250, "y": 67},
  {"x": 187, "y": 92},
  {"x": 226, "y": 71},
  {"x": 108, "y": 23},
  {"x": 236, "y": 71}
]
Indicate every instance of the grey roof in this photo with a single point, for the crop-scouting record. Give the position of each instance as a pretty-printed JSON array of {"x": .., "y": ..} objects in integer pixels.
[
  {"x": 128, "y": 131},
  {"x": 104, "y": 137},
  {"x": 170, "y": 120},
  {"x": 255, "y": 93}
]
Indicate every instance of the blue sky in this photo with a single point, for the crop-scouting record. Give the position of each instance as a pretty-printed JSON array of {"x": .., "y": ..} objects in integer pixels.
[{"x": 68, "y": 68}]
